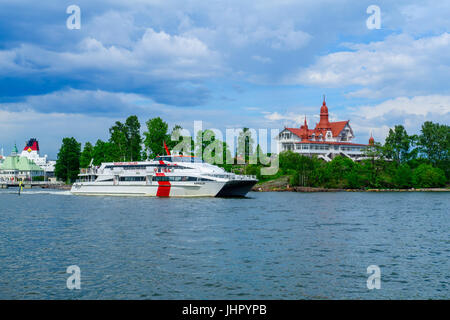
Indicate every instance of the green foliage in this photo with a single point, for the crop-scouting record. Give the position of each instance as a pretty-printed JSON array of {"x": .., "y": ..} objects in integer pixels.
[
  {"x": 156, "y": 134},
  {"x": 434, "y": 141},
  {"x": 212, "y": 150},
  {"x": 68, "y": 163},
  {"x": 344, "y": 173},
  {"x": 403, "y": 177},
  {"x": 397, "y": 144},
  {"x": 103, "y": 152},
  {"x": 427, "y": 176},
  {"x": 86, "y": 155},
  {"x": 180, "y": 144},
  {"x": 134, "y": 139},
  {"x": 289, "y": 160},
  {"x": 427, "y": 165},
  {"x": 308, "y": 171},
  {"x": 126, "y": 140},
  {"x": 118, "y": 140},
  {"x": 245, "y": 144}
]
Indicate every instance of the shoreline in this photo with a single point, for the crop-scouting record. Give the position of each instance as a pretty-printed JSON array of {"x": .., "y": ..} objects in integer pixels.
[{"x": 313, "y": 189}]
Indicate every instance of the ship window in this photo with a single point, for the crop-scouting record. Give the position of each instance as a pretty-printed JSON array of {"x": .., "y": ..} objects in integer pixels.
[
  {"x": 164, "y": 158},
  {"x": 179, "y": 178},
  {"x": 132, "y": 179}
]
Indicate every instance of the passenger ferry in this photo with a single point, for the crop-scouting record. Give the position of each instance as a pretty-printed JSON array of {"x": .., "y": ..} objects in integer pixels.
[{"x": 165, "y": 176}]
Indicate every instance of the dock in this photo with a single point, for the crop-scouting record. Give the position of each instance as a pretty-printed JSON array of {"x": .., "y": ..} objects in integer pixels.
[{"x": 31, "y": 184}]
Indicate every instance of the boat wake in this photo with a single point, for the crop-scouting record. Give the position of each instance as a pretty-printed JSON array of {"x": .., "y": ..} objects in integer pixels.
[{"x": 32, "y": 192}]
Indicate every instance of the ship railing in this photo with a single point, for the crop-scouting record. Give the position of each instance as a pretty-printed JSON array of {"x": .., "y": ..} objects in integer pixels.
[
  {"x": 88, "y": 171},
  {"x": 243, "y": 177}
]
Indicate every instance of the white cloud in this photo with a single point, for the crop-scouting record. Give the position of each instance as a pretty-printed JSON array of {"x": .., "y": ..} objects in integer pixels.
[
  {"x": 289, "y": 119},
  {"x": 113, "y": 28},
  {"x": 409, "y": 112},
  {"x": 397, "y": 65},
  {"x": 155, "y": 54},
  {"x": 71, "y": 101},
  {"x": 419, "y": 106}
]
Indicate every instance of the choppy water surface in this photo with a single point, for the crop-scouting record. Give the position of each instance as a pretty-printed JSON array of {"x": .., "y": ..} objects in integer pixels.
[{"x": 268, "y": 246}]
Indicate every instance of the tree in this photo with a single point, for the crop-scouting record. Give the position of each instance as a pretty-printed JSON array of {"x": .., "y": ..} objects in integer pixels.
[
  {"x": 397, "y": 144},
  {"x": 180, "y": 144},
  {"x": 434, "y": 141},
  {"x": 211, "y": 149},
  {"x": 67, "y": 165},
  {"x": 426, "y": 176},
  {"x": 118, "y": 139},
  {"x": 126, "y": 140},
  {"x": 245, "y": 144},
  {"x": 403, "y": 177},
  {"x": 103, "y": 152},
  {"x": 338, "y": 170},
  {"x": 155, "y": 136},
  {"x": 134, "y": 139},
  {"x": 289, "y": 160},
  {"x": 374, "y": 164},
  {"x": 86, "y": 155}
]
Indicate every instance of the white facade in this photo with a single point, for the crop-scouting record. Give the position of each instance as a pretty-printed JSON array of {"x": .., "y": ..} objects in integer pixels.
[{"x": 326, "y": 141}]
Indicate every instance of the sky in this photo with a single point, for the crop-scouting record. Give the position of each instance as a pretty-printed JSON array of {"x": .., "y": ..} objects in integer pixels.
[{"x": 230, "y": 64}]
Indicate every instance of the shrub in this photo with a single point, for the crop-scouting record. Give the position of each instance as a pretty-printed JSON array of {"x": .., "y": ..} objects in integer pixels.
[
  {"x": 426, "y": 176},
  {"x": 403, "y": 176}
]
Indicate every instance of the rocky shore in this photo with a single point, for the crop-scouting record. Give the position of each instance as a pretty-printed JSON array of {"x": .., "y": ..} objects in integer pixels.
[{"x": 282, "y": 184}]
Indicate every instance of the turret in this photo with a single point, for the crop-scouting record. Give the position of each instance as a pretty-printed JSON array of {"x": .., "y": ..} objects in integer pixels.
[
  {"x": 304, "y": 131},
  {"x": 324, "y": 123},
  {"x": 371, "y": 140}
]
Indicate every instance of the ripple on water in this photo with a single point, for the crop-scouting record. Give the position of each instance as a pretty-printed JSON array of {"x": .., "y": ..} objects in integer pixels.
[{"x": 270, "y": 246}]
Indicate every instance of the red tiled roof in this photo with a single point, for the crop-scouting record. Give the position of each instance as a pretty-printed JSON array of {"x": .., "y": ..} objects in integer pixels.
[
  {"x": 297, "y": 132},
  {"x": 337, "y": 127}
]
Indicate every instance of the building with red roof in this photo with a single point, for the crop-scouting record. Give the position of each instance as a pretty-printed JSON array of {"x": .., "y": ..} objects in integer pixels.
[{"x": 326, "y": 141}]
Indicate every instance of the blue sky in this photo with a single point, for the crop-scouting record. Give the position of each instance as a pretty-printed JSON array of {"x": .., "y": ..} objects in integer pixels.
[{"x": 259, "y": 64}]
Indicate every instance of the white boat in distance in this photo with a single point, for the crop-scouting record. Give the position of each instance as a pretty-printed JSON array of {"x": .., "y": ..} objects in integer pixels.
[{"x": 165, "y": 176}]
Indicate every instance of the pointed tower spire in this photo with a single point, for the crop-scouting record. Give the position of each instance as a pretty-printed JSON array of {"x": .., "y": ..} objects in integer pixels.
[
  {"x": 304, "y": 134},
  {"x": 14, "y": 151},
  {"x": 324, "y": 123},
  {"x": 371, "y": 139}
]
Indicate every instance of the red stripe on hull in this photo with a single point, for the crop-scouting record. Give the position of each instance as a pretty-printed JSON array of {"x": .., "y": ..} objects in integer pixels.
[{"x": 163, "y": 187}]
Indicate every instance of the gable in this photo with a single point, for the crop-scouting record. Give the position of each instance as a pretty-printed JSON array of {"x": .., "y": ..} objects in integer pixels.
[{"x": 337, "y": 127}]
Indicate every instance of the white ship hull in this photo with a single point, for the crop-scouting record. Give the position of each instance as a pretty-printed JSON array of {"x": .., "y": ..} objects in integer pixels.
[
  {"x": 207, "y": 189},
  {"x": 169, "y": 176}
]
